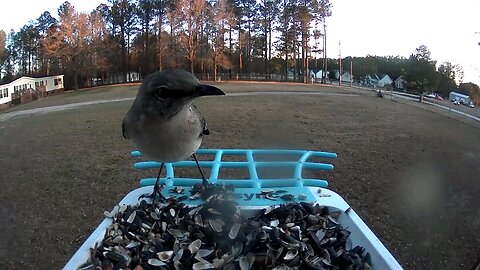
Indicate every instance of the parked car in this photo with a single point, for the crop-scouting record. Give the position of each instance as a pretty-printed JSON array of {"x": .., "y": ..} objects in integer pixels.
[
  {"x": 437, "y": 97},
  {"x": 471, "y": 105},
  {"x": 431, "y": 95}
]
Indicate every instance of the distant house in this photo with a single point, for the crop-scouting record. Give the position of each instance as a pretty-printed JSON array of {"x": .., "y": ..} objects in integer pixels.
[
  {"x": 399, "y": 83},
  {"x": 25, "y": 89},
  {"x": 464, "y": 99},
  {"x": 378, "y": 80},
  {"x": 317, "y": 76},
  {"x": 345, "y": 76},
  {"x": 114, "y": 78}
]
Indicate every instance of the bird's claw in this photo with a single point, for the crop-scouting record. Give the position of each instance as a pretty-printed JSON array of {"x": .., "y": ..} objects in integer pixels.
[
  {"x": 147, "y": 196},
  {"x": 204, "y": 182},
  {"x": 154, "y": 195}
]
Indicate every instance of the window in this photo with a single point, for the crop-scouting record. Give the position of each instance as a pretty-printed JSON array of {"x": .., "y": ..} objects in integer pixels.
[
  {"x": 46, "y": 82},
  {"x": 57, "y": 81},
  {"x": 1, "y": 95},
  {"x": 5, "y": 92}
]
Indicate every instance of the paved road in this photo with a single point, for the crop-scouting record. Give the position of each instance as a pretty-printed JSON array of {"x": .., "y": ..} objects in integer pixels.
[
  {"x": 57, "y": 108},
  {"x": 6, "y": 116}
]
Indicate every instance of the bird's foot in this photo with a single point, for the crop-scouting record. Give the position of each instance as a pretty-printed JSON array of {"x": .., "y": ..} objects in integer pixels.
[
  {"x": 147, "y": 196},
  {"x": 155, "y": 195},
  {"x": 205, "y": 182}
]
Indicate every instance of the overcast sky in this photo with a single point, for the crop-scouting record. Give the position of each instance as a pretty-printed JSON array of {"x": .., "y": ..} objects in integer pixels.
[
  {"x": 383, "y": 27},
  {"x": 376, "y": 27}
]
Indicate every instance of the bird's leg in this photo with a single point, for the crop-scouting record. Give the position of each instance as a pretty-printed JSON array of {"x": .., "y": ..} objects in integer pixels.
[
  {"x": 204, "y": 180},
  {"x": 156, "y": 189}
]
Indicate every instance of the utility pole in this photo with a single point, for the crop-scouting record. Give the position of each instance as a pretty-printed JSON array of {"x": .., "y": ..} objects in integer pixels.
[
  {"x": 340, "y": 60},
  {"x": 324, "y": 71},
  {"x": 351, "y": 72}
]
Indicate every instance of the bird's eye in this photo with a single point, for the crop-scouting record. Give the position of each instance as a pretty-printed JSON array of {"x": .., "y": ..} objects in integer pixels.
[{"x": 162, "y": 93}]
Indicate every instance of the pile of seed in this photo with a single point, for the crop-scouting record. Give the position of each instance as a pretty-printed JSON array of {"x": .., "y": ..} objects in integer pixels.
[{"x": 213, "y": 235}]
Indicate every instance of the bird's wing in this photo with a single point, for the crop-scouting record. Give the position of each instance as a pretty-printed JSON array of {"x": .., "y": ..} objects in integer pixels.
[
  {"x": 203, "y": 122},
  {"x": 127, "y": 122},
  {"x": 124, "y": 133},
  {"x": 124, "y": 129}
]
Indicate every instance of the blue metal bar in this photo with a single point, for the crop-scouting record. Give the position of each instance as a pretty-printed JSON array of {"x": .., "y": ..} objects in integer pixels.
[
  {"x": 147, "y": 165},
  {"x": 216, "y": 167},
  {"x": 259, "y": 151},
  {"x": 283, "y": 164},
  {"x": 170, "y": 170},
  {"x": 315, "y": 183},
  {"x": 236, "y": 164},
  {"x": 251, "y": 164},
  {"x": 253, "y": 170},
  {"x": 323, "y": 154},
  {"x": 136, "y": 154}
]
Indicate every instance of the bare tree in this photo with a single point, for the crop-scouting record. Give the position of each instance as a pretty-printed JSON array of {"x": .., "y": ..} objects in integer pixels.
[
  {"x": 125, "y": 35},
  {"x": 100, "y": 46},
  {"x": 220, "y": 15},
  {"x": 174, "y": 21},
  {"x": 267, "y": 10},
  {"x": 189, "y": 13},
  {"x": 3, "y": 53},
  {"x": 161, "y": 7},
  {"x": 145, "y": 13},
  {"x": 72, "y": 40},
  {"x": 122, "y": 16},
  {"x": 246, "y": 13}
]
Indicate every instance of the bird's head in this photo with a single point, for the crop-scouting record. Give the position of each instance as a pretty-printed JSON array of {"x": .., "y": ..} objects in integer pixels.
[{"x": 166, "y": 92}]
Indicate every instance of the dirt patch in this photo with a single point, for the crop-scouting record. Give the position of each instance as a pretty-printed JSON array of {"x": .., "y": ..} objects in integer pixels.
[{"x": 409, "y": 172}]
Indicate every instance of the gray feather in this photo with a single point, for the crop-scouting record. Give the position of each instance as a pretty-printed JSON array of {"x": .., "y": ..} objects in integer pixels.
[
  {"x": 124, "y": 133},
  {"x": 203, "y": 122}
]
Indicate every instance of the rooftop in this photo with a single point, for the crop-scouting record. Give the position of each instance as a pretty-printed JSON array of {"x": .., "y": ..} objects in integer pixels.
[{"x": 459, "y": 94}]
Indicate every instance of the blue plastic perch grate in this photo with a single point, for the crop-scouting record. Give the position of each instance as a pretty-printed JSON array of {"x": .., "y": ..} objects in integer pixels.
[{"x": 251, "y": 164}]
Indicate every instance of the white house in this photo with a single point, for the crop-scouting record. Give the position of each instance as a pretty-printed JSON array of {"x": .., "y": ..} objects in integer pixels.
[
  {"x": 378, "y": 80},
  {"x": 345, "y": 76},
  {"x": 399, "y": 83},
  {"x": 318, "y": 75},
  {"x": 40, "y": 86}
]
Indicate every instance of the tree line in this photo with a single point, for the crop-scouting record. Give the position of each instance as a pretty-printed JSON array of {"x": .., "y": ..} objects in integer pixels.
[
  {"x": 280, "y": 40},
  {"x": 419, "y": 70},
  {"x": 124, "y": 36}
]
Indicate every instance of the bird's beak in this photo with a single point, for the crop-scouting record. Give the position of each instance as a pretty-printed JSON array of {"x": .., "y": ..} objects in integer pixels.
[{"x": 208, "y": 90}]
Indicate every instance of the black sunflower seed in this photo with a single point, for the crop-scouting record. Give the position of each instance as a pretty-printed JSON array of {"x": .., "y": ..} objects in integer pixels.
[
  {"x": 294, "y": 235},
  {"x": 287, "y": 197}
]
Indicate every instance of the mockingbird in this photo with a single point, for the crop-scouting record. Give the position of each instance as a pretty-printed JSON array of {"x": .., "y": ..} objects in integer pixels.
[{"x": 163, "y": 122}]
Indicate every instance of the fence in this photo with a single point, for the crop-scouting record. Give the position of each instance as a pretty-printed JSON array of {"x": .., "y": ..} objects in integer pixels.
[
  {"x": 225, "y": 76},
  {"x": 471, "y": 113}
]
